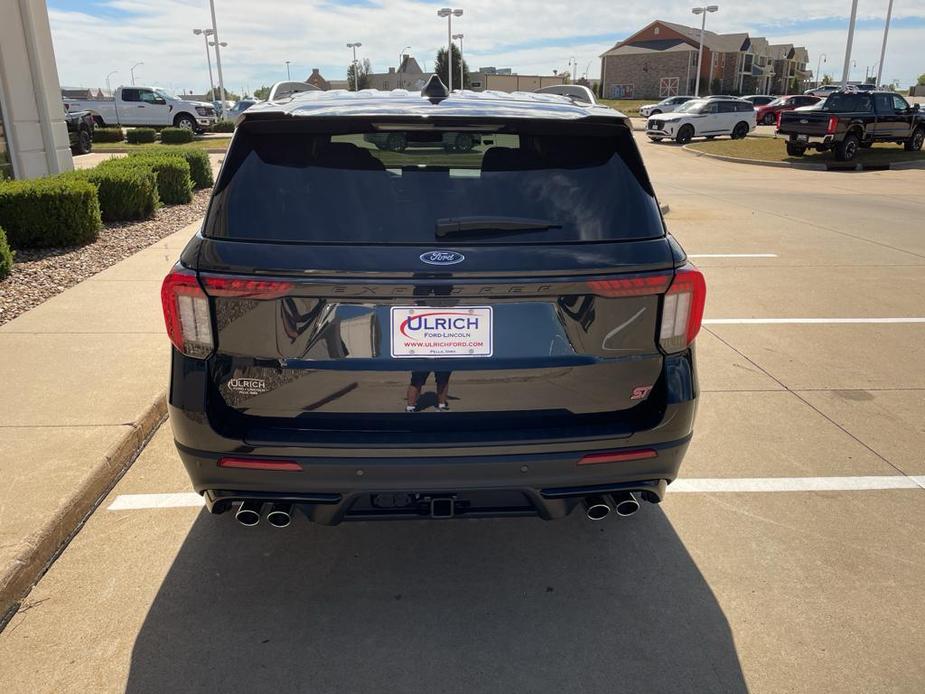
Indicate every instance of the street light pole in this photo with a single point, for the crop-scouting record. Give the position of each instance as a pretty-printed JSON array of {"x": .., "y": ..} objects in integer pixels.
[
  {"x": 846, "y": 70},
  {"x": 703, "y": 27},
  {"x": 108, "y": 87},
  {"x": 822, "y": 58},
  {"x": 356, "y": 72},
  {"x": 206, "y": 33},
  {"x": 449, "y": 13},
  {"x": 462, "y": 73},
  {"x": 218, "y": 55},
  {"x": 288, "y": 74},
  {"x": 886, "y": 32},
  {"x": 132, "y": 72}
]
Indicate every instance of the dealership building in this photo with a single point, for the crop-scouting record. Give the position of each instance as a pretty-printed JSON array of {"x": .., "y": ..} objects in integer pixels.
[{"x": 33, "y": 134}]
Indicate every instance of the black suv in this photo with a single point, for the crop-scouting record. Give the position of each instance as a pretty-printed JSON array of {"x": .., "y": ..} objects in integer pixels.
[{"x": 364, "y": 333}]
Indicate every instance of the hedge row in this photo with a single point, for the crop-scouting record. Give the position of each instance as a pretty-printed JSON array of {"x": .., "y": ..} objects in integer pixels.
[
  {"x": 6, "y": 256},
  {"x": 108, "y": 135},
  {"x": 49, "y": 212},
  {"x": 176, "y": 136},
  {"x": 223, "y": 126},
  {"x": 173, "y": 173},
  {"x": 140, "y": 136},
  {"x": 124, "y": 193}
]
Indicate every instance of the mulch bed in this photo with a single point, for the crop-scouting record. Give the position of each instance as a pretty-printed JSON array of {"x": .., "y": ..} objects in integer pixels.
[{"x": 39, "y": 274}]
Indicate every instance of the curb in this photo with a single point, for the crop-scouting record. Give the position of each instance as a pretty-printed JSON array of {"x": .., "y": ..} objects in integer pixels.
[
  {"x": 832, "y": 166},
  {"x": 126, "y": 150},
  {"x": 38, "y": 551}
]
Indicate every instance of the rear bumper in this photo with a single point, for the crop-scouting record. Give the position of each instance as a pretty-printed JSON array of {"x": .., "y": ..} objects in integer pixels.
[{"x": 522, "y": 475}]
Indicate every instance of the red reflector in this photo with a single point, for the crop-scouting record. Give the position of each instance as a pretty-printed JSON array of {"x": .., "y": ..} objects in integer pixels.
[
  {"x": 618, "y": 456},
  {"x": 245, "y": 288},
  {"x": 259, "y": 464},
  {"x": 640, "y": 285}
]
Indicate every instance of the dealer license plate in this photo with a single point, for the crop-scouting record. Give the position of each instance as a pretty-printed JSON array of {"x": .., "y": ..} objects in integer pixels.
[{"x": 422, "y": 331}]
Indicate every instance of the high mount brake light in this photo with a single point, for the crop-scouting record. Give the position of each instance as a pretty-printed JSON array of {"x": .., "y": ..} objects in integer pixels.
[
  {"x": 244, "y": 288},
  {"x": 186, "y": 313},
  {"x": 641, "y": 285},
  {"x": 682, "y": 309}
]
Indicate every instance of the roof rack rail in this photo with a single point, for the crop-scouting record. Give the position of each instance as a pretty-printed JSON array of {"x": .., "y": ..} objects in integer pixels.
[
  {"x": 283, "y": 90},
  {"x": 576, "y": 92}
]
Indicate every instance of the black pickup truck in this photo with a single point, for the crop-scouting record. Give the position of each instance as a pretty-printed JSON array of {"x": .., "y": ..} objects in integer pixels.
[
  {"x": 80, "y": 126},
  {"x": 847, "y": 120}
]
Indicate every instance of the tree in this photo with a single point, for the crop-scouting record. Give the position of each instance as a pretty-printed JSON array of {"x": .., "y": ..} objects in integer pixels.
[
  {"x": 440, "y": 69},
  {"x": 921, "y": 81},
  {"x": 361, "y": 80},
  {"x": 215, "y": 95},
  {"x": 827, "y": 79},
  {"x": 262, "y": 93}
]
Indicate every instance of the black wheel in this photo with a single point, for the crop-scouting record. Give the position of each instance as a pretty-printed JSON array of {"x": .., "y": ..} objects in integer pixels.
[
  {"x": 769, "y": 119},
  {"x": 185, "y": 121},
  {"x": 397, "y": 142},
  {"x": 684, "y": 134},
  {"x": 464, "y": 142},
  {"x": 847, "y": 148},
  {"x": 84, "y": 141},
  {"x": 795, "y": 150},
  {"x": 740, "y": 131},
  {"x": 914, "y": 143},
  {"x": 655, "y": 139}
]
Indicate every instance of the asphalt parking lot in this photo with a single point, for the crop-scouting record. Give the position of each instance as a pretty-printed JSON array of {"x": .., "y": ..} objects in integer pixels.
[{"x": 792, "y": 560}]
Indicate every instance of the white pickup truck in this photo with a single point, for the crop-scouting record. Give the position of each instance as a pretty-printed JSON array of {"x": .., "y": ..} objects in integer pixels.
[{"x": 147, "y": 106}]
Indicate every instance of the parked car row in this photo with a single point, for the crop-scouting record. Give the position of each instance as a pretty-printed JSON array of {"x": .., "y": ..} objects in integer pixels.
[{"x": 147, "y": 106}]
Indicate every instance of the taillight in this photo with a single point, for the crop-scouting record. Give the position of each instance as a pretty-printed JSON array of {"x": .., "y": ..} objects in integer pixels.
[
  {"x": 244, "y": 287},
  {"x": 682, "y": 309},
  {"x": 186, "y": 313},
  {"x": 637, "y": 285},
  {"x": 833, "y": 124},
  {"x": 779, "y": 115}
]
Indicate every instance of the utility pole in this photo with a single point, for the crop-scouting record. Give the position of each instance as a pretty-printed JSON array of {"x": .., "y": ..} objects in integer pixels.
[
  {"x": 218, "y": 55},
  {"x": 886, "y": 32},
  {"x": 449, "y": 13}
]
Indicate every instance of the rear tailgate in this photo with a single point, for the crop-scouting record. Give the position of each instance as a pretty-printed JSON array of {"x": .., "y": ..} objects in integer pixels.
[{"x": 813, "y": 123}]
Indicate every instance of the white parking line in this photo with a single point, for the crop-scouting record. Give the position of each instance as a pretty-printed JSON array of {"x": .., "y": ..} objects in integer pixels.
[
  {"x": 732, "y": 255},
  {"x": 806, "y": 321},
  {"x": 702, "y": 485}
]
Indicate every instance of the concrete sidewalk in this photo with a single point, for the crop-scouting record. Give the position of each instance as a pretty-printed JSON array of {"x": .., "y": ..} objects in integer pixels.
[{"x": 84, "y": 376}]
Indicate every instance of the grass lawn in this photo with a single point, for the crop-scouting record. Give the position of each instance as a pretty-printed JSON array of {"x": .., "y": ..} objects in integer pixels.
[
  {"x": 774, "y": 149},
  {"x": 628, "y": 107},
  {"x": 209, "y": 143}
]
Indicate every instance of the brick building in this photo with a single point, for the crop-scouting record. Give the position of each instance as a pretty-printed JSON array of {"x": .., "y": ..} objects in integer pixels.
[{"x": 660, "y": 60}]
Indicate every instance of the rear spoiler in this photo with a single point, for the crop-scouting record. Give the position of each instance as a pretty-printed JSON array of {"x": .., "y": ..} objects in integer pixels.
[{"x": 576, "y": 92}]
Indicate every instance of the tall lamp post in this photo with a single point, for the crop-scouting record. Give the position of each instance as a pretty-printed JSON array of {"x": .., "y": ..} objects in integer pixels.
[
  {"x": 356, "y": 72},
  {"x": 401, "y": 57},
  {"x": 846, "y": 71},
  {"x": 132, "y": 71},
  {"x": 288, "y": 74},
  {"x": 462, "y": 72},
  {"x": 703, "y": 26},
  {"x": 886, "y": 32},
  {"x": 108, "y": 87},
  {"x": 206, "y": 33},
  {"x": 822, "y": 58},
  {"x": 218, "y": 54},
  {"x": 449, "y": 13}
]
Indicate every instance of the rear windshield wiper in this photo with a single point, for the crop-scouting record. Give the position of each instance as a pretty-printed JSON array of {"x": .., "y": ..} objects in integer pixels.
[{"x": 465, "y": 225}]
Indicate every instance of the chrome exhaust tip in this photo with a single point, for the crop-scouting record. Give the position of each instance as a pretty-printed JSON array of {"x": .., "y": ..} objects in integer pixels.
[
  {"x": 596, "y": 507},
  {"x": 249, "y": 513},
  {"x": 625, "y": 504},
  {"x": 280, "y": 515}
]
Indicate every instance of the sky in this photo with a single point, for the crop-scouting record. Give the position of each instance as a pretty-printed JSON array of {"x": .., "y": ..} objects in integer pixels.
[{"x": 94, "y": 37}]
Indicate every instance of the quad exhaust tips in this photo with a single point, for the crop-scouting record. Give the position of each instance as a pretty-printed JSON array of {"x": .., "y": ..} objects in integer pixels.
[
  {"x": 249, "y": 513},
  {"x": 280, "y": 515},
  {"x": 596, "y": 507}
]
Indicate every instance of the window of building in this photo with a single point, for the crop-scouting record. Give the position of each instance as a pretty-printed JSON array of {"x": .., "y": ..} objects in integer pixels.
[
  {"x": 747, "y": 66},
  {"x": 656, "y": 31}
]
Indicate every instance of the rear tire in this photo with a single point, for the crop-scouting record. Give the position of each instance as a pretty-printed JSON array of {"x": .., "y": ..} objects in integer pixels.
[
  {"x": 84, "y": 141},
  {"x": 769, "y": 119},
  {"x": 847, "y": 149},
  {"x": 685, "y": 134},
  {"x": 740, "y": 131},
  {"x": 795, "y": 150},
  {"x": 655, "y": 139},
  {"x": 914, "y": 143}
]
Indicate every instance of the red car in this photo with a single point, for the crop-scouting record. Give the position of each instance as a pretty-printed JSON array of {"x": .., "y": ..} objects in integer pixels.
[{"x": 767, "y": 115}]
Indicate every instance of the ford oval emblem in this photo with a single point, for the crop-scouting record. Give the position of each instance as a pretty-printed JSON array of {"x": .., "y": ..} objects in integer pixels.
[
  {"x": 804, "y": 121},
  {"x": 442, "y": 257}
]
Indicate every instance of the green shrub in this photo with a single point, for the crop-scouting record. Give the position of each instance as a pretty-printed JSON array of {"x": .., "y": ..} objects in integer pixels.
[
  {"x": 223, "y": 126},
  {"x": 173, "y": 173},
  {"x": 140, "y": 136},
  {"x": 6, "y": 256},
  {"x": 176, "y": 136},
  {"x": 108, "y": 135},
  {"x": 199, "y": 165},
  {"x": 49, "y": 212},
  {"x": 125, "y": 193}
]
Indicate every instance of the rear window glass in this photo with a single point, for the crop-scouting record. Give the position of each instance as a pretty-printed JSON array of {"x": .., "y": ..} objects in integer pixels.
[
  {"x": 397, "y": 184},
  {"x": 847, "y": 103}
]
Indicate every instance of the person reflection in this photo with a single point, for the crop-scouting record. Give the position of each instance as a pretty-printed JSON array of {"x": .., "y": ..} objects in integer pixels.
[{"x": 418, "y": 379}]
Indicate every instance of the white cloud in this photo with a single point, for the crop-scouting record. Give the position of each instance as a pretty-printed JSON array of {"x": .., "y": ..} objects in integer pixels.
[{"x": 262, "y": 35}]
